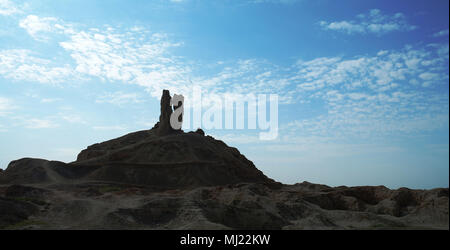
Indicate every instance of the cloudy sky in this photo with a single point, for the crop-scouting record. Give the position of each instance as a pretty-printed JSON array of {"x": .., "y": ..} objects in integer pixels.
[{"x": 363, "y": 85}]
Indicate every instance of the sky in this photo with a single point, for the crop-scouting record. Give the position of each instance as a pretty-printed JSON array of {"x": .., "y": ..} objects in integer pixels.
[{"x": 363, "y": 86}]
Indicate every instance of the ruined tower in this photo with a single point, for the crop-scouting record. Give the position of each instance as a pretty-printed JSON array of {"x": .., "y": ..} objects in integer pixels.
[{"x": 163, "y": 126}]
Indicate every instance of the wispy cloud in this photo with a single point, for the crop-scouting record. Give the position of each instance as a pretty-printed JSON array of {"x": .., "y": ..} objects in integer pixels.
[
  {"x": 379, "y": 95},
  {"x": 374, "y": 22},
  {"x": 50, "y": 100},
  {"x": 441, "y": 33},
  {"x": 40, "y": 27},
  {"x": 6, "y": 106},
  {"x": 256, "y": 76},
  {"x": 37, "y": 123},
  {"x": 388, "y": 93},
  {"x": 119, "y": 98},
  {"x": 34, "y": 95},
  {"x": 22, "y": 64},
  {"x": 33, "y": 122},
  {"x": 73, "y": 118},
  {"x": 70, "y": 115},
  {"x": 34, "y": 24},
  {"x": 135, "y": 56},
  {"x": 8, "y": 8},
  {"x": 355, "y": 115},
  {"x": 380, "y": 72},
  {"x": 391, "y": 91}
]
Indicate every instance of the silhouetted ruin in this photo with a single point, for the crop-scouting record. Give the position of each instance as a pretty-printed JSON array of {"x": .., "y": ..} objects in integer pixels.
[{"x": 163, "y": 125}]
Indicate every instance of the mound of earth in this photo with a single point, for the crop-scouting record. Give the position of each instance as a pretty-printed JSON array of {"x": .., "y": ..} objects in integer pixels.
[
  {"x": 164, "y": 178},
  {"x": 144, "y": 158},
  {"x": 161, "y": 157},
  {"x": 93, "y": 205}
]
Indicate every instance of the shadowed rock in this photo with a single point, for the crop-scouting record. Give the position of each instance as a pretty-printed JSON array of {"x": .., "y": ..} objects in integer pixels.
[
  {"x": 164, "y": 127},
  {"x": 200, "y": 131}
]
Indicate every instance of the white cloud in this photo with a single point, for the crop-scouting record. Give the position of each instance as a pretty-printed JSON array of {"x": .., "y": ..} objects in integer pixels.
[
  {"x": 34, "y": 24},
  {"x": 36, "y": 123},
  {"x": 8, "y": 8},
  {"x": 378, "y": 73},
  {"x": 374, "y": 117},
  {"x": 374, "y": 95},
  {"x": 33, "y": 122},
  {"x": 119, "y": 98},
  {"x": 134, "y": 56},
  {"x": 358, "y": 93},
  {"x": 73, "y": 118},
  {"x": 34, "y": 95},
  {"x": 427, "y": 76},
  {"x": 6, "y": 106},
  {"x": 50, "y": 100},
  {"x": 38, "y": 27},
  {"x": 344, "y": 26},
  {"x": 70, "y": 115},
  {"x": 372, "y": 22},
  {"x": 21, "y": 64},
  {"x": 441, "y": 33}
]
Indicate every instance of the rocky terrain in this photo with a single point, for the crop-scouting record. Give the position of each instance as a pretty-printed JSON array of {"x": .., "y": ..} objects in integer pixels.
[{"x": 168, "y": 179}]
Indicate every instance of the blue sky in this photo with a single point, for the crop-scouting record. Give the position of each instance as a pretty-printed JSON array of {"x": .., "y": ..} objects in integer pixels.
[{"x": 363, "y": 85}]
